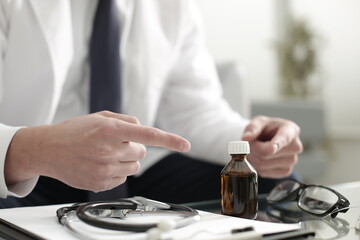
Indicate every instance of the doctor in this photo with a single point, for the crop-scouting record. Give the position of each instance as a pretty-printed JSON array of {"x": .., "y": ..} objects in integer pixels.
[{"x": 168, "y": 82}]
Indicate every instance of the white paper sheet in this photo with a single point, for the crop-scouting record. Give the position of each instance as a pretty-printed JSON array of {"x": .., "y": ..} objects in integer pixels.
[{"x": 43, "y": 222}]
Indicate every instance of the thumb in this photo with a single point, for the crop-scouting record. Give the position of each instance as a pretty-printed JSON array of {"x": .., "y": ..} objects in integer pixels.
[
  {"x": 254, "y": 128},
  {"x": 251, "y": 132},
  {"x": 249, "y": 135}
]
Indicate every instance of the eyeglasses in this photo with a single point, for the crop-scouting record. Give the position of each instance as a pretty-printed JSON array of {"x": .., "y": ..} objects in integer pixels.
[{"x": 314, "y": 199}]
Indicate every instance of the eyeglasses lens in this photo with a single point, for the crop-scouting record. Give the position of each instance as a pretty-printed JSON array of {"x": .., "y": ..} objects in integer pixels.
[
  {"x": 317, "y": 200},
  {"x": 283, "y": 190}
]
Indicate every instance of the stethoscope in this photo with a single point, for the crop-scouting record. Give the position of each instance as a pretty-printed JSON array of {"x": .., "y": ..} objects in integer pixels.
[{"x": 109, "y": 215}]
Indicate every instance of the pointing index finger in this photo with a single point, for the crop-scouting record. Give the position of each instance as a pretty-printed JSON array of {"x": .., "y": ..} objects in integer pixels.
[{"x": 154, "y": 137}]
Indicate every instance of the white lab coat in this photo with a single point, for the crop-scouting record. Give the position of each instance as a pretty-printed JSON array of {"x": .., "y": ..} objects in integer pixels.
[{"x": 168, "y": 77}]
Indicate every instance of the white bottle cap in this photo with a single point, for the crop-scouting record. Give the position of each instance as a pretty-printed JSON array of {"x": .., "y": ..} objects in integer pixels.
[{"x": 239, "y": 147}]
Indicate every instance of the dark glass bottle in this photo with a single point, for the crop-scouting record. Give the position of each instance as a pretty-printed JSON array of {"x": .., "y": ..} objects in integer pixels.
[{"x": 239, "y": 184}]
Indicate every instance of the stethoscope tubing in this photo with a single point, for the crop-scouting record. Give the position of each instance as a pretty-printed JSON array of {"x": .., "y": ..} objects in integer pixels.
[{"x": 187, "y": 215}]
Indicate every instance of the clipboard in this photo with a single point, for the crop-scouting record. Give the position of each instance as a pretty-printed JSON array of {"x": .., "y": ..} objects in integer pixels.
[
  {"x": 9, "y": 231},
  {"x": 40, "y": 223}
]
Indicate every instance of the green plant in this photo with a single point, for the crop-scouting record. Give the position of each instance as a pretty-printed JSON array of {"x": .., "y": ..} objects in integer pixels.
[{"x": 297, "y": 54}]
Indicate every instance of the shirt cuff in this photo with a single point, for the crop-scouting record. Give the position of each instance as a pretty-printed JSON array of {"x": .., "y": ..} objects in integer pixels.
[{"x": 20, "y": 189}]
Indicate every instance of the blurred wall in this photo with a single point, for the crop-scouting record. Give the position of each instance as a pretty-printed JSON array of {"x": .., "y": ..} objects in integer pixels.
[{"x": 245, "y": 31}]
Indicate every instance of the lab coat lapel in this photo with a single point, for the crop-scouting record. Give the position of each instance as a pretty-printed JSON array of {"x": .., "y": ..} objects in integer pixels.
[
  {"x": 39, "y": 53},
  {"x": 54, "y": 18}
]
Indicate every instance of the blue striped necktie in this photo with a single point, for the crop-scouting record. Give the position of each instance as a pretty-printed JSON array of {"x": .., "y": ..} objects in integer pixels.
[{"x": 105, "y": 86}]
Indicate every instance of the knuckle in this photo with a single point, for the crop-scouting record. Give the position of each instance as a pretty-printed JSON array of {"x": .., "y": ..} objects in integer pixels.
[
  {"x": 296, "y": 127},
  {"x": 299, "y": 146},
  {"x": 285, "y": 140},
  {"x": 107, "y": 126},
  {"x": 122, "y": 180},
  {"x": 133, "y": 119},
  {"x": 103, "y": 151},
  {"x": 102, "y": 113},
  {"x": 134, "y": 168},
  {"x": 287, "y": 171},
  {"x": 142, "y": 152},
  {"x": 260, "y": 118},
  {"x": 105, "y": 112},
  {"x": 152, "y": 133},
  {"x": 100, "y": 154},
  {"x": 137, "y": 167},
  {"x": 294, "y": 160},
  {"x": 103, "y": 128},
  {"x": 121, "y": 155}
]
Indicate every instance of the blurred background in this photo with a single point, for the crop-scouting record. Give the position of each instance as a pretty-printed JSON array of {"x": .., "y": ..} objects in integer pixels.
[{"x": 298, "y": 59}]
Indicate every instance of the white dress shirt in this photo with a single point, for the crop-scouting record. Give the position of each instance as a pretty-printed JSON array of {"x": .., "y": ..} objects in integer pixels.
[{"x": 168, "y": 78}]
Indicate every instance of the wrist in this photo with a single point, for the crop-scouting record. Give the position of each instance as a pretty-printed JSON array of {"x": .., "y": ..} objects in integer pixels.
[{"x": 23, "y": 158}]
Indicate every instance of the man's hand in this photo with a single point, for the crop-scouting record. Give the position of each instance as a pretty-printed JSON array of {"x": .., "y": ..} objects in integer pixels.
[
  {"x": 274, "y": 145},
  {"x": 95, "y": 152}
]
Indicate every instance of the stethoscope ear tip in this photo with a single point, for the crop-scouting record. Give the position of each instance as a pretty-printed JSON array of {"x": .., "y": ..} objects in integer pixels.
[{"x": 165, "y": 225}]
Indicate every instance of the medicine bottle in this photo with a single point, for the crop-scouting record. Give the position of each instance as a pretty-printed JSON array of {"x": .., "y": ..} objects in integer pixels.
[{"x": 239, "y": 183}]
